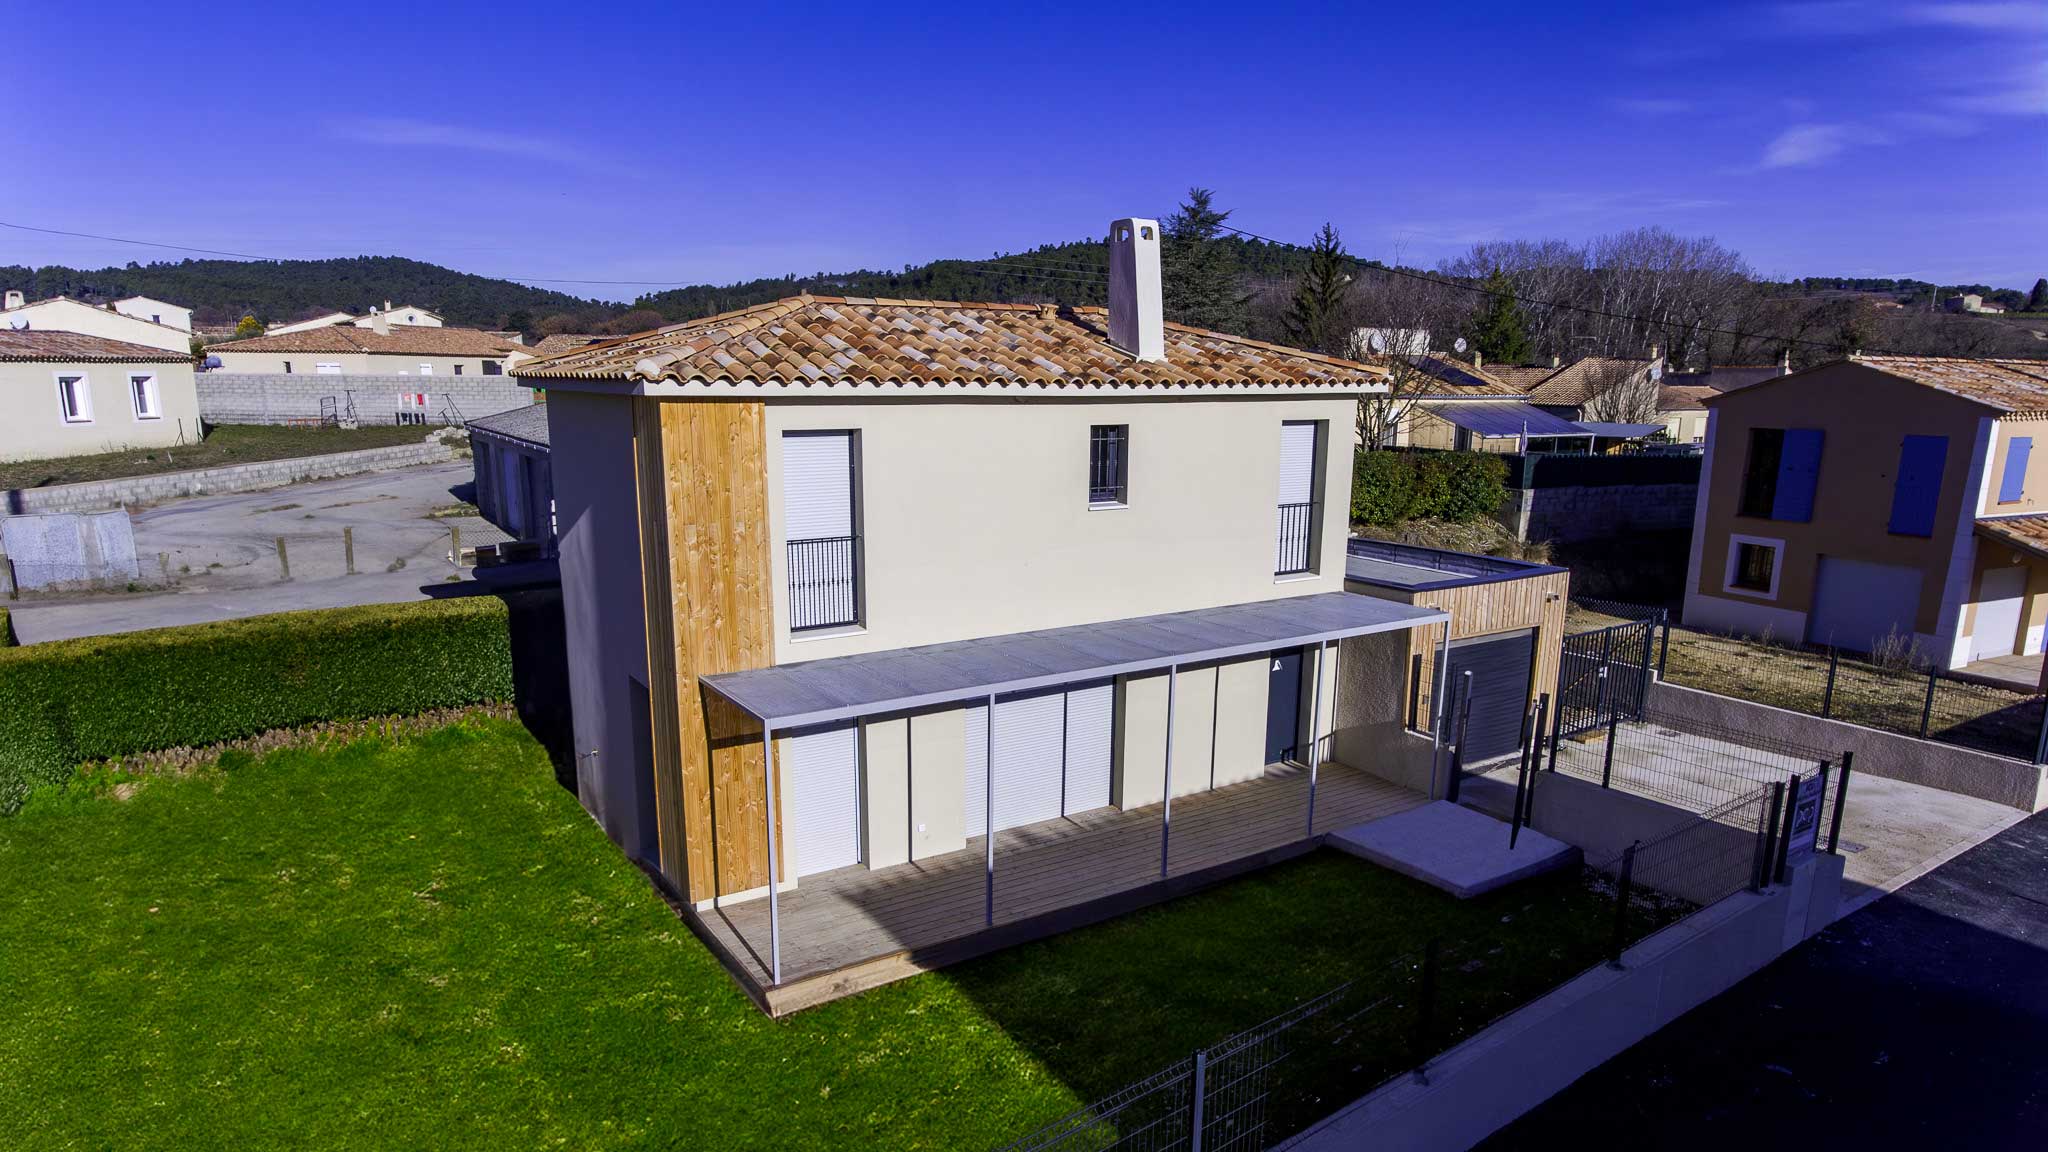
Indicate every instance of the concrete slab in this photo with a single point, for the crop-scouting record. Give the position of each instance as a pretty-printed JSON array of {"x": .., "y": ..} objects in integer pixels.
[{"x": 1456, "y": 849}]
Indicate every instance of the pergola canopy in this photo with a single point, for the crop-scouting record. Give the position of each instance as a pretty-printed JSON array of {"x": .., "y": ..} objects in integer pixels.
[
  {"x": 845, "y": 687},
  {"x": 1506, "y": 420}
]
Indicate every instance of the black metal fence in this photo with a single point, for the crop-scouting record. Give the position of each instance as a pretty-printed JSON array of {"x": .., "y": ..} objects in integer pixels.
[
  {"x": 1295, "y": 538},
  {"x": 824, "y": 582},
  {"x": 1602, "y": 674}
]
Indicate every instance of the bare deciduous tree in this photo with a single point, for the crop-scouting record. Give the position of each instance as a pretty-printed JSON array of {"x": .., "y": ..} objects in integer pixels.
[{"x": 1623, "y": 392}]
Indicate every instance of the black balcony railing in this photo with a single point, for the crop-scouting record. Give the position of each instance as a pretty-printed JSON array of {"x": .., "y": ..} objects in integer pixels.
[
  {"x": 1295, "y": 538},
  {"x": 824, "y": 583}
]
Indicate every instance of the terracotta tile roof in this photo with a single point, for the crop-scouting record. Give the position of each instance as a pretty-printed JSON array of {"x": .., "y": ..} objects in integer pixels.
[
  {"x": 1523, "y": 376},
  {"x": 1684, "y": 397},
  {"x": 1585, "y": 378},
  {"x": 1460, "y": 380},
  {"x": 562, "y": 342},
  {"x": 818, "y": 339},
  {"x": 2008, "y": 385},
  {"x": 402, "y": 340},
  {"x": 54, "y": 347},
  {"x": 2029, "y": 533}
]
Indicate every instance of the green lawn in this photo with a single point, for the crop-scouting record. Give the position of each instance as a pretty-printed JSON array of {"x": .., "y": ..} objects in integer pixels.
[
  {"x": 427, "y": 944},
  {"x": 226, "y": 444}
]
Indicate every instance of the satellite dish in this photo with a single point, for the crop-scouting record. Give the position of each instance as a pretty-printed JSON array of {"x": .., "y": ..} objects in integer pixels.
[
  {"x": 1377, "y": 342},
  {"x": 1458, "y": 345}
]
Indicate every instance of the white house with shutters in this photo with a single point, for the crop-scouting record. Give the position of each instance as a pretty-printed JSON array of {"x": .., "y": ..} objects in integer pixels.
[{"x": 894, "y": 623}]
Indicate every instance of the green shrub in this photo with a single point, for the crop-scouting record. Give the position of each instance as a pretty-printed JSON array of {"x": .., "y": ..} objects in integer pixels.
[
  {"x": 102, "y": 696},
  {"x": 1389, "y": 487},
  {"x": 6, "y": 629}
]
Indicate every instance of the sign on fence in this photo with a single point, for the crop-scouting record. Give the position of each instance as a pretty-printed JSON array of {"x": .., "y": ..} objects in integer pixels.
[{"x": 1808, "y": 794}]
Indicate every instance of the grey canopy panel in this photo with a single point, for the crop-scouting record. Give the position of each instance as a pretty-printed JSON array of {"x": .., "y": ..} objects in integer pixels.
[{"x": 847, "y": 686}]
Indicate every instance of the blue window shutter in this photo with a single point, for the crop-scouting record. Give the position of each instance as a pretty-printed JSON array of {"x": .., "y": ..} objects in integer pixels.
[
  {"x": 1917, "y": 488},
  {"x": 2013, "y": 484},
  {"x": 1798, "y": 473}
]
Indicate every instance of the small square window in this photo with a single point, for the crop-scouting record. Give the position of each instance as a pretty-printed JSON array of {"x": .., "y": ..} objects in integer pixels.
[
  {"x": 458, "y": 369},
  {"x": 1754, "y": 565},
  {"x": 1108, "y": 465},
  {"x": 142, "y": 393},
  {"x": 493, "y": 368},
  {"x": 287, "y": 367},
  {"x": 74, "y": 398}
]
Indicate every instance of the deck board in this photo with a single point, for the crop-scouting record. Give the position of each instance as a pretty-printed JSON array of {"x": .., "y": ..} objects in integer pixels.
[{"x": 836, "y": 920}]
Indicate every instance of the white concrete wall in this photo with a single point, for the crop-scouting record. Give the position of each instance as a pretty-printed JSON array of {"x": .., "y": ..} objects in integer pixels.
[
  {"x": 57, "y": 315},
  {"x": 975, "y": 516},
  {"x": 32, "y": 424},
  {"x": 156, "y": 311}
]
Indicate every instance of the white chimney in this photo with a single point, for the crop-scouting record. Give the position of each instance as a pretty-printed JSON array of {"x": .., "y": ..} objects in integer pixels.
[
  {"x": 1137, "y": 318},
  {"x": 387, "y": 305},
  {"x": 15, "y": 299},
  {"x": 380, "y": 323},
  {"x": 1478, "y": 358}
]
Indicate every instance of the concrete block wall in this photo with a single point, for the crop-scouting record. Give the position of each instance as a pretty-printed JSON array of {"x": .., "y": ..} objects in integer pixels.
[
  {"x": 1571, "y": 514},
  {"x": 280, "y": 397},
  {"x": 103, "y": 494}
]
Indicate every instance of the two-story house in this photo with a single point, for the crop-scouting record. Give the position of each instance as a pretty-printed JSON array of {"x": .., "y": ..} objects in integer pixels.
[
  {"x": 1880, "y": 503},
  {"x": 960, "y": 621}
]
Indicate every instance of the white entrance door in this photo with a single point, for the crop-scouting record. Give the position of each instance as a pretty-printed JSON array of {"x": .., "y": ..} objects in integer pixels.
[
  {"x": 1856, "y": 603},
  {"x": 2000, "y": 593},
  {"x": 822, "y": 768}
]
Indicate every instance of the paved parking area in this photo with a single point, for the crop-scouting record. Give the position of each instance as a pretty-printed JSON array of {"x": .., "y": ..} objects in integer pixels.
[
  {"x": 220, "y": 553},
  {"x": 1915, "y": 1023}
]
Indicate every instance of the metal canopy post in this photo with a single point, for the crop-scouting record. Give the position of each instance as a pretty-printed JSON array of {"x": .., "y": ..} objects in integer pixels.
[
  {"x": 1166, "y": 812},
  {"x": 1443, "y": 682},
  {"x": 1315, "y": 724},
  {"x": 988, "y": 811},
  {"x": 774, "y": 904}
]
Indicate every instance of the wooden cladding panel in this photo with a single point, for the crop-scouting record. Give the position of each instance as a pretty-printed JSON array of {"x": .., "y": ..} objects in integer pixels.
[
  {"x": 711, "y": 503},
  {"x": 1537, "y": 602}
]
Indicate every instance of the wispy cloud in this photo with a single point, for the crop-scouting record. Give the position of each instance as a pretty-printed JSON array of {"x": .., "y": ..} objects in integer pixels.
[
  {"x": 397, "y": 132},
  {"x": 1653, "y": 107},
  {"x": 1860, "y": 18},
  {"x": 1804, "y": 145}
]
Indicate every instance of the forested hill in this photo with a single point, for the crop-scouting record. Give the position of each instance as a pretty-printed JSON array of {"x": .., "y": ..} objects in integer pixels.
[
  {"x": 224, "y": 291},
  {"x": 1071, "y": 273},
  {"x": 221, "y": 292}
]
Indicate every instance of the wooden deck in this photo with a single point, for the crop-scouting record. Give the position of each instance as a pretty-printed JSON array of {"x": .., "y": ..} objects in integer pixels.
[{"x": 853, "y": 929}]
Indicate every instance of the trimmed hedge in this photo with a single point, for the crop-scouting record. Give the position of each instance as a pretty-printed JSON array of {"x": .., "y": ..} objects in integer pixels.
[
  {"x": 97, "y": 697},
  {"x": 1389, "y": 487}
]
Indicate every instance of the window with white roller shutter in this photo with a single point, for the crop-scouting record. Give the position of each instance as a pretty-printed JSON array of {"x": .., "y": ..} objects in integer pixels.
[
  {"x": 820, "y": 529},
  {"x": 821, "y": 769},
  {"x": 1294, "y": 538},
  {"x": 1052, "y": 752}
]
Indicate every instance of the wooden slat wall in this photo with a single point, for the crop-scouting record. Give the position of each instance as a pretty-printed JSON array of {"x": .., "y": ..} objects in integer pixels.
[
  {"x": 713, "y": 540},
  {"x": 1537, "y": 602}
]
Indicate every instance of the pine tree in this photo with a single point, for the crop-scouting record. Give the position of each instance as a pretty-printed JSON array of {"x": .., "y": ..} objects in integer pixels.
[
  {"x": 2037, "y": 300},
  {"x": 1499, "y": 332},
  {"x": 1315, "y": 318},
  {"x": 1200, "y": 273}
]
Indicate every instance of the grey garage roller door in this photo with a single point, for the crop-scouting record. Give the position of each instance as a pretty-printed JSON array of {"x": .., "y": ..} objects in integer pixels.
[{"x": 1500, "y": 667}]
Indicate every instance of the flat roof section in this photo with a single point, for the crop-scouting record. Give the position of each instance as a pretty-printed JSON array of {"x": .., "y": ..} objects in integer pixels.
[
  {"x": 845, "y": 687},
  {"x": 1419, "y": 568}
]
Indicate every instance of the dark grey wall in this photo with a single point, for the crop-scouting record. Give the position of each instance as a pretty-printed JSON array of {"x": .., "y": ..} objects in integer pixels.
[{"x": 599, "y": 548}]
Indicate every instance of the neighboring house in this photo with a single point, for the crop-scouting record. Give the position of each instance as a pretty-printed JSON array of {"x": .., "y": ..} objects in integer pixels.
[
  {"x": 998, "y": 609},
  {"x": 1682, "y": 396},
  {"x": 1879, "y": 504},
  {"x": 63, "y": 314},
  {"x": 1471, "y": 409},
  {"x": 1971, "y": 302},
  {"x": 391, "y": 350},
  {"x": 156, "y": 312},
  {"x": 407, "y": 316},
  {"x": 1571, "y": 391},
  {"x": 513, "y": 487},
  {"x": 72, "y": 394}
]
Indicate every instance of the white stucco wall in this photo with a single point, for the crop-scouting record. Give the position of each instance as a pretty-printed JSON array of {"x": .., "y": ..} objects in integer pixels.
[
  {"x": 58, "y": 315},
  {"x": 32, "y": 424},
  {"x": 156, "y": 311},
  {"x": 356, "y": 363},
  {"x": 975, "y": 519}
]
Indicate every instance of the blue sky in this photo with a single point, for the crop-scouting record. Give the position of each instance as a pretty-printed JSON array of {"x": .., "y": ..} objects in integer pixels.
[{"x": 684, "y": 143}]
